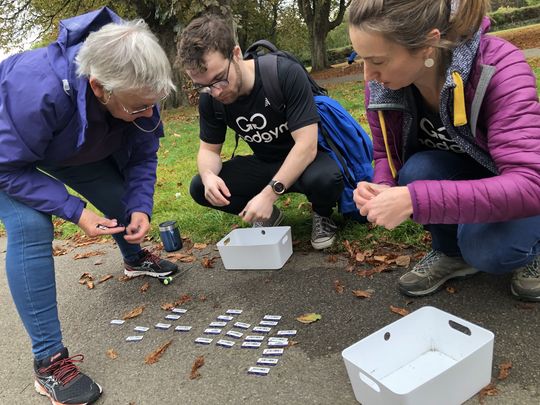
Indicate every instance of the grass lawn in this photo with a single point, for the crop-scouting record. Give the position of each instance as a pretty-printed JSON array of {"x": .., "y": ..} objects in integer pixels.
[{"x": 177, "y": 164}]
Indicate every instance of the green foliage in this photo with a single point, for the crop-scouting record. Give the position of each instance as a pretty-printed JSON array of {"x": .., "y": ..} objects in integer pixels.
[
  {"x": 505, "y": 18},
  {"x": 338, "y": 37}
]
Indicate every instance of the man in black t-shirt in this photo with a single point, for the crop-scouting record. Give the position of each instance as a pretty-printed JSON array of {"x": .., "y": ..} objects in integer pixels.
[{"x": 284, "y": 144}]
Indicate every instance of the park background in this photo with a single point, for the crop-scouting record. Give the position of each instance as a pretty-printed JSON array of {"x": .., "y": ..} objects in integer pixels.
[{"x": 315, "y": 31}]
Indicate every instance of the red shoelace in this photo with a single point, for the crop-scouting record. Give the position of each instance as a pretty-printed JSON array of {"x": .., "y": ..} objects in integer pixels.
[
  {"x": 151, "y": 257},
  {"x": 64, "y": 370}
]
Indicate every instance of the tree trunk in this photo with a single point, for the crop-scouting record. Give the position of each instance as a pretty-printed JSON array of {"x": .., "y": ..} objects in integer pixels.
[{"x": 319, "y": 59}]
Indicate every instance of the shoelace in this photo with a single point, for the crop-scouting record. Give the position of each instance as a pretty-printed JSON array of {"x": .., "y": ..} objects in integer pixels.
[
  {"x": 532, "y": 270},
  {"x": 427, "y": 261},
  {"x": 64, "y": 370},
  {"x": 323, "y": 225},
  {"x": 151, "y": 257}
]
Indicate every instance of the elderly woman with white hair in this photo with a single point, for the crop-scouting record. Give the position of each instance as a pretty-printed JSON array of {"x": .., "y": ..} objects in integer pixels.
[{"x": 80, "y": 112}]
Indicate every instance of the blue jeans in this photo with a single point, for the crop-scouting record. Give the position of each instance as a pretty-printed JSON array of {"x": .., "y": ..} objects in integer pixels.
[
  {"x": 498, "y": 247},
  {"x": 29, "y": 258}
]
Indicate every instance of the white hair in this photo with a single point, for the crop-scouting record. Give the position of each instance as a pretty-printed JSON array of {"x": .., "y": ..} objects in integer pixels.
[{"x": 126, "y": 56}]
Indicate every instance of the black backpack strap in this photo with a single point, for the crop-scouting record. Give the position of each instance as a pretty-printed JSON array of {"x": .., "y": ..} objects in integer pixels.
[
  {"x": 269, "y": 72},
  {"x": 251, "y": 52},
  {"x": 221, "y": 115}
]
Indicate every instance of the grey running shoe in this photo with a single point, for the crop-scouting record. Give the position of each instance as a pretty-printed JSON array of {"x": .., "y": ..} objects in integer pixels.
[
  {"x": 274, "y": 220},
  {"x": 149, "y": 264},
  {"x": 323, "y": 232},
  {"x": 526, "y": 282},
  {"x": 59, "y": 378},
  {"x": 430, "y": 273}
]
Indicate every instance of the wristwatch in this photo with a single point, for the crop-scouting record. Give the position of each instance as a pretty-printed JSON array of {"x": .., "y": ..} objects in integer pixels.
[{"x": 277, "y": 186}]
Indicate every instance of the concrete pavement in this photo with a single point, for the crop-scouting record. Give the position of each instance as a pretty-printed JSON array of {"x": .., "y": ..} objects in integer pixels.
[{"x": 311, "y": 372}]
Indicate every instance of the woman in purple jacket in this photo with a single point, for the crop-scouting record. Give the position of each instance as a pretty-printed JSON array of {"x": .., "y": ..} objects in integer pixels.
[
  {"x": 455, "y": 120},
  {"x": 80, "y": 112}
]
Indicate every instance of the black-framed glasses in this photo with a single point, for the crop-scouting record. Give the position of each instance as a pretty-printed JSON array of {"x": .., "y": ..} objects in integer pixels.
[
  {"x": 218, "y": 84},
  {"x": 139, "y": 110}
]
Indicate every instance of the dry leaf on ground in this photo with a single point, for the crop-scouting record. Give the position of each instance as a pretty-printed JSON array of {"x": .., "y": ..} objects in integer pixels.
[
  {"x": 182, "y": 257},
  {"x": 332, "y": 258},
  {"x": 309, "y": 318},
  {"x": 504, "y": 370},
  {"x": 111, "y": 354},
  {"x": 183, "y": 299},
  {"x": 144, "y": 288},
  {"x": 208, "y": 263},
  {"x": 399, "y": 311},
  {"x": 135, "y": 312},
  {"x": 105, "y": 278},
  {"x": 59, "y": 251},
  {"x": 450, "y": 290},
  {"x": 488, "y": 391},
  {"x": 197, "y": 364},
  {"x": 362, "y": 294},
  {"x": 88, "y": 280},
  {"x": 403, "y": 261},
  {"x": 156, "y": 354},
  {"x": 167, "y": 306},
  {"x": 199, "y": 246},
  {"x": 86, "y": 255},
  {"x": 339, "y": 287}
]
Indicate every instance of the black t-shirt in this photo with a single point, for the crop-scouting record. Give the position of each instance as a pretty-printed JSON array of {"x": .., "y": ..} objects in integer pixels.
[
  {"x": 267, "y": 132},
  {"x": 431, "y": 132}
]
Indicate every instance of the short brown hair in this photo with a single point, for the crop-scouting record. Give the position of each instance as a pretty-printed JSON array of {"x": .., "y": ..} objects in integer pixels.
[{"x": 204, "y": 34}]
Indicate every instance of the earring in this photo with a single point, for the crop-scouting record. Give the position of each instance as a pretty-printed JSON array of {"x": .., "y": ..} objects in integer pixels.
[{"x": 429, "y": 62}]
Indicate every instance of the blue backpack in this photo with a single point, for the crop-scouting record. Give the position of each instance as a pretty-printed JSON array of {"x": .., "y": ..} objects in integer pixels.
[{"x": 339, "y": 133}]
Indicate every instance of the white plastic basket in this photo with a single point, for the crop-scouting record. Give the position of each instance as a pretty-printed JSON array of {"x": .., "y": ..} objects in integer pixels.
[
  {"x": 427, "y": 357},
  {"x": 256, "y": 248}
]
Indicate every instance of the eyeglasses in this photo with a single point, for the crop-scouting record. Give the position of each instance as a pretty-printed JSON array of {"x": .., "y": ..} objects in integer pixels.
[
  {"x": 139, "y": 110},
  {"x": 218, "y": 84}
]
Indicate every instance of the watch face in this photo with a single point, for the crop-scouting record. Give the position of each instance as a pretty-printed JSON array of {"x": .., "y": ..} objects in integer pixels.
[{"x": 278, "y": 187}]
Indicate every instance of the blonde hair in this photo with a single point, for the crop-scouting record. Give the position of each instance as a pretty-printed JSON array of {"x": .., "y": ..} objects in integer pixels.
[{"x": 408, "y": 22}]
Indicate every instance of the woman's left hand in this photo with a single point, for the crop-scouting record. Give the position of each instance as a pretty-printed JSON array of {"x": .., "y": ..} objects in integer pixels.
[
  {"x": 389, "y": 208},
  {"x": 137, "y": 228}
]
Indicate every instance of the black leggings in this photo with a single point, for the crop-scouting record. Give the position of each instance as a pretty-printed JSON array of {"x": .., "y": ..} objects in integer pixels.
[{"x": 246, "y": 176}]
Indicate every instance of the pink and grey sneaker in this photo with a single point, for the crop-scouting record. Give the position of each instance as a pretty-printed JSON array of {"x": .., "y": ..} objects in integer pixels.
[
  {"x": 58, "y": 378},
  {"x": 149, "y": 264}
]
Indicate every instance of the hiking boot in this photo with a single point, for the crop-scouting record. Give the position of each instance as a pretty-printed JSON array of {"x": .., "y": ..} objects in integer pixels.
[
  {"x": 274, "y": 220},
  {"x": 59, "y": 378},
  {"x": 526, "y": 282},
  {"x": 430, "y": 273},
  {"x": 149, "y": 264},
  {"x": 323, "y": 232}
]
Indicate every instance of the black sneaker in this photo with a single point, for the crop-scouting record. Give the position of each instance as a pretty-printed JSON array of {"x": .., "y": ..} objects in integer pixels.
[
  {"x": 275, "y": 219},
  {"x": 323, "y": 232},
  {"x": 149, "y": 264},
  {"x": 59, "y": 378}
]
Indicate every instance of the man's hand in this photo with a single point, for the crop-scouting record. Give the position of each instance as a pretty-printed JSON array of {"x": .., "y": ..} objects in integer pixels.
[
  {"x": 260, "y": 207},
  {"x": 138, "y": 228},
  {"x": 216, "y": 191},
  {"x": 389, "y": 208},
  {"x": 94, "y": 225}
]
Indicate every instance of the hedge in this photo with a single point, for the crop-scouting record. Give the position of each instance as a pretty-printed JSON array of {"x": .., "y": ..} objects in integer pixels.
[{"x": 506, "y": 18}]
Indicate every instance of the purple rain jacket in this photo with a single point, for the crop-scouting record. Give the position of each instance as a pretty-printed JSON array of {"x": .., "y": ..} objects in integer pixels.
[
  {"x": 502, "y": 133},
  {"x": 43, "y": 122}
]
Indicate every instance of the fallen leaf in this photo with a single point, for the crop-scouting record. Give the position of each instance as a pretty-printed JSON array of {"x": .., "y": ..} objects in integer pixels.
[
  {"x": 350, "y": 268},
  {"x": 86, "y": 255},
  {"x": 208, "y": 263},
  {"x": 98, "y": 262},
  {"x": 361, "y": 294},
  {"x": 156, "y": 354},
  {"x": 504, "y": 370},
  {"x": 59, "y": 251},
  {"x": 199, "y": 246},
  {"x": 332, "y": 258},
  {"x": 488, "y": 391},
  {"x": 144, "y": 288},
  {"x": 105, "y": 278},
  {"x": 287, "y": 202},
  {"x": 380, "y": 258},
  {"x": 111, "y": 354},
  {"x": 450, "y": 290},
  {"x": 167, "y": 306},
  {"x": 403, "y": 261},
  {"x": 135, "y": 312},
  {"x": 197, "y": 364},
  {"x": 399, "y": 311},
  {"x": 360, "y": 257},
  {"x": 184, "y": 258},
  {"x": 90, "y": 284},
  {"x": 183, "y": 299},
  {"x": 348, "y": 248},
  {"x": 339, "y": 287},
  {"x": 309, "y": 318},
  {"x": 85, "y": 277},
  {"x": 125, "y": 278},
  {"x": 292, "y": 343}
]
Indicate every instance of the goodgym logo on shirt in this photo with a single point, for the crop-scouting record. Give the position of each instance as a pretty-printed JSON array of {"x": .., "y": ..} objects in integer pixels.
[{"x": 254, "y": 129}]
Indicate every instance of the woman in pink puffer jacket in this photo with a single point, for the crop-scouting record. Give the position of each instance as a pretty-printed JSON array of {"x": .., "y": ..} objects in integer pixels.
[{"x": 455, "y": 119}]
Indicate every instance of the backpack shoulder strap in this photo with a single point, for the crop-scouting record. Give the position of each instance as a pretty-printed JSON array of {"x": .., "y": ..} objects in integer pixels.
[
  {"x": 269, "y": 72},
  {"x": 263, "y": 43}
]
